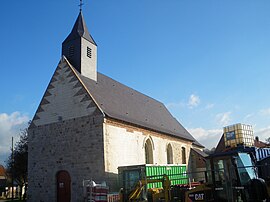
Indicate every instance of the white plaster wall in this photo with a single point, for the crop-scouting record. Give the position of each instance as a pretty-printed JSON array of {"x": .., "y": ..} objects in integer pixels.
[
  {"x": 88, "y": 65},
  {"x": 123, "y": 148}
]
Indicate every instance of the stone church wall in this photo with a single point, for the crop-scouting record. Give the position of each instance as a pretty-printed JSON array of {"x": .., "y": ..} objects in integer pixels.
[
  {"x": 124, "y": 145},
  {"x": 74, "y": 145}
]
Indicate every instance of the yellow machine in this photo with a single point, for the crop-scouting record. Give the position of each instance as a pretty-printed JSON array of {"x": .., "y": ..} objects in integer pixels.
[
  {"x": 231, "y": 176},
  {"x": 199, "y": 193},
  {"x": 156, "y": 193},
  {"x": 167, "y": 193}
]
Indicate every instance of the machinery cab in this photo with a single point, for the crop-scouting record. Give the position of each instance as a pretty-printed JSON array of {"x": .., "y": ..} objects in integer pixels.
[{"x": 232, "y": 175}]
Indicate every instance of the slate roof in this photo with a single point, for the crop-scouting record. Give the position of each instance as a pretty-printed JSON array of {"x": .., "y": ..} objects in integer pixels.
[
  {"x": 80, "y": 30},
  {"x": 221, "y": 145},
  {"x": 201, "y": 153},
  {"x": 126, "y": 104},
  {"x": 123, "y": 103}
]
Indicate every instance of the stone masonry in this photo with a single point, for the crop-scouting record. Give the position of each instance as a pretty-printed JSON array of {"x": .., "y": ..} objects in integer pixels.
[
  {"x": 66, "y": 134},
  {"x": 75, "y": 145}
]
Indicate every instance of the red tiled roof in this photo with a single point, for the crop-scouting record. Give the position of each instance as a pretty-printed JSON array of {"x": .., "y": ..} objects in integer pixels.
[
  {"x": 260, "y": 144},
  {"x": 2, "y": 171}
]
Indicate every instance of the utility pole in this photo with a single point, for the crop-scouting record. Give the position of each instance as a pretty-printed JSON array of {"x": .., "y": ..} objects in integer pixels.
[{"x": 12, "y": 170}]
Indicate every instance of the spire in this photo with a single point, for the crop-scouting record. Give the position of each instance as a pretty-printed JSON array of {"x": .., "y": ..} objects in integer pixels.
[
  {"x": 80, "y": 30},
  {"x": 80, "y": 49}
]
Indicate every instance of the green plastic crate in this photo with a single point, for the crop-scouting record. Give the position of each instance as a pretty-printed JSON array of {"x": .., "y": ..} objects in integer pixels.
[
  {"x": 176, "y": 174},
  {"x": 130, "y": 175}
]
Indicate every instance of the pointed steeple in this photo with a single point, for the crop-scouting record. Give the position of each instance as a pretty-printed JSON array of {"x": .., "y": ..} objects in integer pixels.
[
  {"x": 80, "y": 49},
  {"x": 80, "y": 30}
]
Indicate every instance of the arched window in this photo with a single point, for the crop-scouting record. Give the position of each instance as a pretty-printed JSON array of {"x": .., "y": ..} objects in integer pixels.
[
  {"x": 148, "y": 148},
  {"x": 184, "y": 160},
  {"x": 169, "y": 154}
]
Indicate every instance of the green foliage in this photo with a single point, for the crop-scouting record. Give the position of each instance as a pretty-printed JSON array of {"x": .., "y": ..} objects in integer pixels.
[{"x": 18, "y": 164}]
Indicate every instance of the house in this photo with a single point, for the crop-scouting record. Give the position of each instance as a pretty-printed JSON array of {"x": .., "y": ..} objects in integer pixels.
[
  {"x": 259, "y": 144},
  {"x": 87, "y": 125},
  {"x": 3, "y": 181},
  {"x": 198, "y": 164}
]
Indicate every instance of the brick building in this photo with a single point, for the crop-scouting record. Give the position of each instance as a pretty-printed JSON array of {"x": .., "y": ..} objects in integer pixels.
[{"x": 88, "y": 124}]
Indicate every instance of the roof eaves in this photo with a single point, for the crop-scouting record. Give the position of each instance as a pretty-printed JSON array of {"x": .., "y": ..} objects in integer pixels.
[
  {"x": 198, "y": 144},
  {"x": 201, "y": 153},
  {"x": 149, "y": 128}
]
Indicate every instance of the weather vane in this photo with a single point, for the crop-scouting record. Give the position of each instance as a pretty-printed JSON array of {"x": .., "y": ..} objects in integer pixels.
[{"x": 81, "y": 4}]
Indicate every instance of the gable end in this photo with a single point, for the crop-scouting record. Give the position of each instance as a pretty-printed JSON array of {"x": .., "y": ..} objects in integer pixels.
[{"x": 65, "y": 98}]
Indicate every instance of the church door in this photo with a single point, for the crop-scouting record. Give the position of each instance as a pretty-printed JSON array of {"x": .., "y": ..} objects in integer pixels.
[{"x": 63, "y": 186}]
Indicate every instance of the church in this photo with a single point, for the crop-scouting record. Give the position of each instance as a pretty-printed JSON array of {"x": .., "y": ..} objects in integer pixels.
[{"x": 87, "y": 125}]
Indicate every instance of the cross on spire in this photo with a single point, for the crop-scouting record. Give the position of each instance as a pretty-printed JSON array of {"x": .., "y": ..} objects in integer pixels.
[{"x": 81, "y": 4}]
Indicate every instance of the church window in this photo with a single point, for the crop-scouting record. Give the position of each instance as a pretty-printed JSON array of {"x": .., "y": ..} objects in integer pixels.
[
  {"x": 184, "y": 160},
  {"x": 148, "y": 147},
  {"x": 169, "y": 154},
  {"x": 71, "y": 51},
  {"x": 89, "y": 52}
]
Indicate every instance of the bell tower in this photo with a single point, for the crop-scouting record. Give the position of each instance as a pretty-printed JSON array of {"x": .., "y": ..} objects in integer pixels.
[{"x": 80, "y": 49}]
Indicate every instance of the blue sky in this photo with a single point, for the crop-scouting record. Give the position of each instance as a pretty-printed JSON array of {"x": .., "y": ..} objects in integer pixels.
[{"x": 207, "y": 61}]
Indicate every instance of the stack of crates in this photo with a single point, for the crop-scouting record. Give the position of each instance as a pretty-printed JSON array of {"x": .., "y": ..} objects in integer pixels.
[
  {"x": 95, "y": 192},
  {"x": 238, "y": 135}
]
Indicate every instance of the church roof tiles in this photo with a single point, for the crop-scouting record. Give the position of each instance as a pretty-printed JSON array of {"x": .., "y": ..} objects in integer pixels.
[
  {"x": 80, "y": 30},
  {"x": 123, "y": 103}
]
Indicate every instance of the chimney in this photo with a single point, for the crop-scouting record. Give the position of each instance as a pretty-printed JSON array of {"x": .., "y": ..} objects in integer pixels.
[{"x": 257, "y": 138}]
